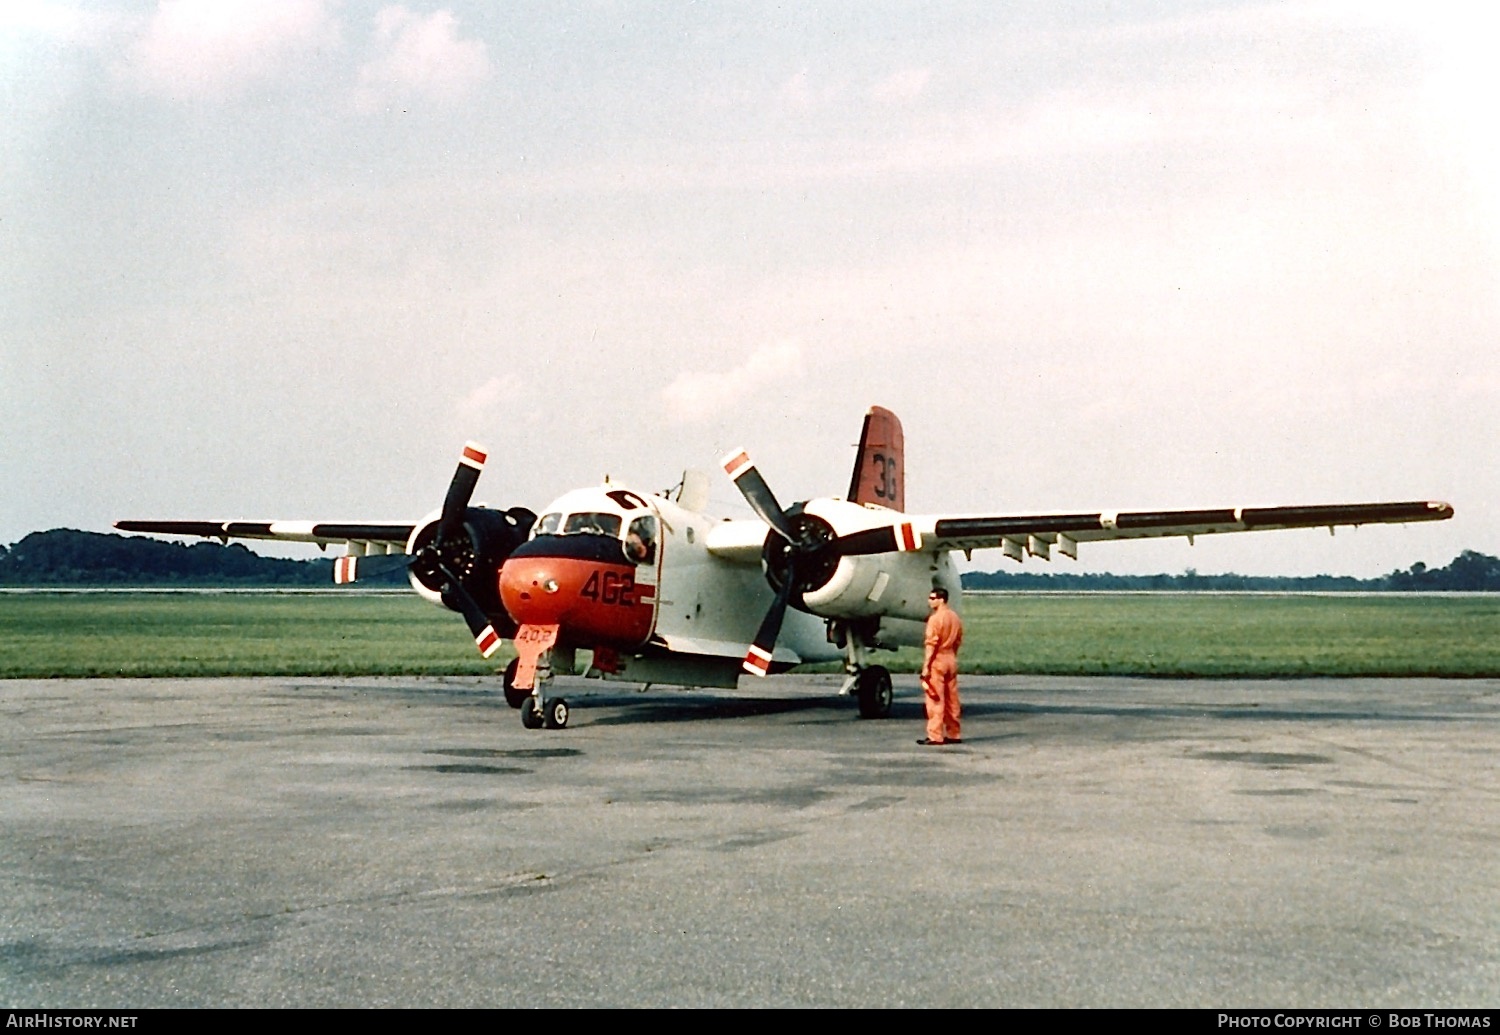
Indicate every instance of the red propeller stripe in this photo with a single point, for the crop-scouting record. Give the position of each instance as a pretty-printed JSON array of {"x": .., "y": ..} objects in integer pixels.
[
  {"x": 473, "y": 456},
  {"x": 735, "y": 465},
  {"x": 344, "y": 569},
  {"x": 908, "y": 537},
  {"x": 757, "y": 662},
  {"x": 488, "y": 641}
]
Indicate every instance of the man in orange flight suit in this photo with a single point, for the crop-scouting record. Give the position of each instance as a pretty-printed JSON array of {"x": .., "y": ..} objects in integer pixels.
[{"x": 945, "y": 634}]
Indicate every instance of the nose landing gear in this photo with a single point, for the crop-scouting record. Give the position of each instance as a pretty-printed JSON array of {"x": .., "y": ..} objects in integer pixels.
[{"x": 537, "y": 709}]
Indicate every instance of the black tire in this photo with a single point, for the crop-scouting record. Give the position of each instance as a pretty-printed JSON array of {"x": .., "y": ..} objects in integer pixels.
[
  {"x": 513, "y": 697},
  {"x": 874, "y": 692},
  {"x": 531, "y": 715},
  {"x": 557, "y": 714}
]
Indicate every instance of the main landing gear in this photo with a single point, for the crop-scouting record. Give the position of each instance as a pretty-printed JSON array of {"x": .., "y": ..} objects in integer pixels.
[
  {"x": 537, "y": 709},
  {"x": 870, "y": 684},
  {"x": 872, "y": 687}
]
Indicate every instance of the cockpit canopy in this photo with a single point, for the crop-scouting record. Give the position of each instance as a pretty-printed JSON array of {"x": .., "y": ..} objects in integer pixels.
[
  {"x": 605, "y": 513},
  {"x": 582, "y": 523}
]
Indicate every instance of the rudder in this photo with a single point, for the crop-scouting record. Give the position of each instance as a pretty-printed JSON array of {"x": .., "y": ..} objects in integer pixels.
[{"x": 880, "y": 465}]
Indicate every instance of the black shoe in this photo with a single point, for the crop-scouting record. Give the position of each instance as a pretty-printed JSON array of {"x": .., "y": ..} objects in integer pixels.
[
  {"x": 955, "y": 740},
  {"x": 930, "y": 743}
]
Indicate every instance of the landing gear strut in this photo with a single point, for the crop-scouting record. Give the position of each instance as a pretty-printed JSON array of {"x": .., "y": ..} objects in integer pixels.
[{"x": 870, "y": 684}]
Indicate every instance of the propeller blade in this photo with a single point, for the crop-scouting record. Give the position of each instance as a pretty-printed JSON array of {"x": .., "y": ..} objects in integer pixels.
[
  {"x": 485, "y": 636},
  {"x": 741, "y": 469},
  {"x": 758, "y": 658},
  {"x": 897, "y": 538},
  {"x": 461, "y": 490}
]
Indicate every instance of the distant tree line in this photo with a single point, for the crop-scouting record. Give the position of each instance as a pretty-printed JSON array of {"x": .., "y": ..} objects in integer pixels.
[
  {"x": 1469, "y": 571},
  {"x": 66, "y": 557}
]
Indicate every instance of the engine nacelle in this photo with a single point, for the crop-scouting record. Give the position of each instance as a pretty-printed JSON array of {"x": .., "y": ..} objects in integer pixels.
[
  {"x": 491, "y": 536},
  {"x": 889, "y": 585}
]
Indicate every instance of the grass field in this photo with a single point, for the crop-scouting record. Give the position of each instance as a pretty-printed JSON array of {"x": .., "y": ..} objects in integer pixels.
[{"x": 170, "y": 634}]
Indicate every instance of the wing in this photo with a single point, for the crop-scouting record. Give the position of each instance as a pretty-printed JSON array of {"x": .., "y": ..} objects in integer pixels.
[
  {"x": 1036, "y": 534},
  {"x": 382, "y": 534},
  {"x": 363, "y": 539}
]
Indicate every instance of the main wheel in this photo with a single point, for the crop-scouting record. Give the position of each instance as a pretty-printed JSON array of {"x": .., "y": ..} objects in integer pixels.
[
  {"x": 557, "y": 714},
  {"x": 531, "y": 715},
  {"x": 874, "y": 692},
  {"x": 513, "y": 697}
]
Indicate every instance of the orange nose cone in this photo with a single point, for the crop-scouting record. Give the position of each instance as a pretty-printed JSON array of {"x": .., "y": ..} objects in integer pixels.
[
  {"x": 535, "y": 591},
  {"x": 596, "y": 603}
]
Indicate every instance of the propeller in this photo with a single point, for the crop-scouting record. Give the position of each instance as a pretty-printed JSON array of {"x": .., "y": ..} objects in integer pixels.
[
  {"x": 450, "y": 554},
  {"x": 805, "y": 554}
]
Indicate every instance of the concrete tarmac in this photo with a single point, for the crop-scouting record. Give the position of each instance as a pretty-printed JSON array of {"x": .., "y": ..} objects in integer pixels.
[{"x": 405, "y": 842}]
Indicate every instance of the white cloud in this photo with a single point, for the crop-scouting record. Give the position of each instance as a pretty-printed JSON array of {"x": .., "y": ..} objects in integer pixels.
[
  {"x": 192, "y": 49},
  {"x": 422, "y": 56},
  {"x": 484, "y": 408},
  {"x": 696, "y": 397}
]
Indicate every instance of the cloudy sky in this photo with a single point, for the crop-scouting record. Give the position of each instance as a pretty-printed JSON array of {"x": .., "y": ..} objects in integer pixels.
[{"x": 280, "y": 258}]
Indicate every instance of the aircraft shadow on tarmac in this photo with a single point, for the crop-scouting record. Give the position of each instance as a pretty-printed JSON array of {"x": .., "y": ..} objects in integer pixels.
[
  {"x": 699, "y": 707},
  {"x": 620, "y": 706},
  {"x": 665, "y": 709}
]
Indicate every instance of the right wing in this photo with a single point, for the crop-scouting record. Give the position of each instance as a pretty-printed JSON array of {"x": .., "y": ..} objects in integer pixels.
[{"x": 1022, "y": 534}]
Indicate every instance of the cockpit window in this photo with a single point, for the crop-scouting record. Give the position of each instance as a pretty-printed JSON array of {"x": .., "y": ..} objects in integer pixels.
[
  {"x": 640, "y": 541},
  {"x": 548, "y": 524},
  {"x": 592, "y": 524}
]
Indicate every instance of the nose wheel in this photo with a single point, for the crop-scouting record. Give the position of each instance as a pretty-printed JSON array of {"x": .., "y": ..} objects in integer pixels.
[
  {"x": 537, "y": 708},
  {"x": 531, "y": 714},
  {"x": 553, "y": 714}
]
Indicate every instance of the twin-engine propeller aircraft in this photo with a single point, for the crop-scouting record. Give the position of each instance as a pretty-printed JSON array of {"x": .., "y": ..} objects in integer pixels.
[{"x": 655, "y": 591}]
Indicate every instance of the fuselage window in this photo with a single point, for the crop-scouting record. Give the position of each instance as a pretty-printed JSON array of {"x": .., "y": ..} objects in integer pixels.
[
  {"x": 640, "y": 541},
  {"x": 592, "y": 524}
]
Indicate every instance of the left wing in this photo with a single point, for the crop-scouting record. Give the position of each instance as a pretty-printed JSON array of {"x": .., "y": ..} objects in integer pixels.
[
  {"x": 291, "y": 531},
  {"x": 320, "y": 532},
  {"x": 1035, "y": 535},
  {"x": 363, "y": 538}
]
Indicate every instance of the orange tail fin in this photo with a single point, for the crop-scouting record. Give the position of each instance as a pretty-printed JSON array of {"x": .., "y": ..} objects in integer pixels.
[{"x": 880, "y": 466}]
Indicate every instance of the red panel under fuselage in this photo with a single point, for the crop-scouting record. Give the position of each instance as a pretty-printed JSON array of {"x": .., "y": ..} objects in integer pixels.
[{"x": 597, "y": 600}]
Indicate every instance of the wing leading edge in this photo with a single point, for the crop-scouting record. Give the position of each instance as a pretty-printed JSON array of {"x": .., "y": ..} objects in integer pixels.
[
  {"x": 1037, "y": 534},
  {"x": 320, "y": 532}
]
